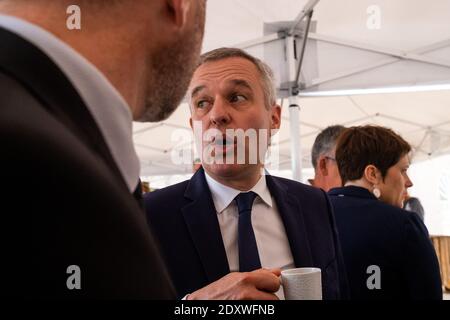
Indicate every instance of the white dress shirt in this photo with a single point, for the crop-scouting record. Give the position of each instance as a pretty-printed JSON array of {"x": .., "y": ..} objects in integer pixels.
[
  {"x": 108, "y": 108},
  {"x": 271, "y": 239}
]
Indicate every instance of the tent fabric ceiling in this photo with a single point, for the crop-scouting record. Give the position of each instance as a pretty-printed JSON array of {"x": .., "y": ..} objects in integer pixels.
[{"x": 423, "y": 118}]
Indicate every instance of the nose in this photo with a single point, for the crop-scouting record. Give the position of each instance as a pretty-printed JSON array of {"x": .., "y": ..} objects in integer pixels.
[
  {"x": 408, "y": 182},
  {"x": 219, "y": 115}
]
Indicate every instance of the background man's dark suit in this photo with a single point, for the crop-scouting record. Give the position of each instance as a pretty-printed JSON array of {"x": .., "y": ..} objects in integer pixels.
[
  {"x": 375, "y": 233},
  {"x": 184, "y": 220},
  {"x": 64, "y": 201}
]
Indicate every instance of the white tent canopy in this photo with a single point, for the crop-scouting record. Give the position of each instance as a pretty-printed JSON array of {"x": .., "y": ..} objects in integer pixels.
[{"x": 351, "y": 45}]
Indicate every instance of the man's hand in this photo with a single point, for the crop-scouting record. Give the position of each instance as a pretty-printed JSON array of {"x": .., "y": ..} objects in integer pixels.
[{"x": 260, "y": 284}]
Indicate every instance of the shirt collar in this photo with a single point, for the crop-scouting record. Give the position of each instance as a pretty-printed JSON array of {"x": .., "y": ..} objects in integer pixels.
[
  {"x": 108, "y": 108},
  {"x": 223, "y": 195}
]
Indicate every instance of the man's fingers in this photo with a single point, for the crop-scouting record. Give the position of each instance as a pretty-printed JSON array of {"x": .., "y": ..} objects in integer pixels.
[
  {"x": 261, "y": 295},
  {"x": 264, "y": 280},
  {"x": 276, "y": 271}
]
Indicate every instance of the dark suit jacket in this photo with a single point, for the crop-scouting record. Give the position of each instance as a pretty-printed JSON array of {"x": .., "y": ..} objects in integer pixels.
[
  {"x": 63, "y": 200},
  {"x": 184, "y": 220},
  {"x": 375, "y": 233}
]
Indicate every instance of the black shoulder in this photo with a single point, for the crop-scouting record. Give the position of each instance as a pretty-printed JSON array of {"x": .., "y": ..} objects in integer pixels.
[
  {"x": 168, "y": 194},
  {"x": 393, "y": 210},
  {"x": 301, "y": 189},
  {"x": 391, "y": 214}
]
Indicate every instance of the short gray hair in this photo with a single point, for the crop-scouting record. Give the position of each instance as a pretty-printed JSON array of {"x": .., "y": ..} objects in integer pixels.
[
  {"x": 325, "y": 142},
  {"x": 268, "y": 82}
]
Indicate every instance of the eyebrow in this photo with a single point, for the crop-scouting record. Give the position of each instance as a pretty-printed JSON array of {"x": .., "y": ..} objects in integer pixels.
[
  {"x": 235, "y": 82},
  {"x": 241, "y": 83},
  {"x": 197, "y": 90}
]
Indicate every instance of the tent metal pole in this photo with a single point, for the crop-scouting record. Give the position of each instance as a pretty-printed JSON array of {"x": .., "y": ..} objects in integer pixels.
[
  {"x": 294, "y": 70},
  {"x": 305, "y": 11},
  {"x": 294, "y": 111},
  {"x": 376, "y": 64},
  {"x": 258, "y": 41},
  {"x": 296, "y": 151},
  {"x": 391, "y": 52},
  {"x": 302, "y": 53}
]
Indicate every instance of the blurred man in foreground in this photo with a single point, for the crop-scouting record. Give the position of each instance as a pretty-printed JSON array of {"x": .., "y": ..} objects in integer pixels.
[{"x": 68, "y": 97}]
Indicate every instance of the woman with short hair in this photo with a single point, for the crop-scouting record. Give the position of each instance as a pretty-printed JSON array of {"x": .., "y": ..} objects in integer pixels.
[{"x": 387, "y": 250}]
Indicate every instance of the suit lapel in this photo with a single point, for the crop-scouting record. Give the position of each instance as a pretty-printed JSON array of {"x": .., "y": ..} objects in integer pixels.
[
  {"x": 32, "y": 68},
  {"x": 293, "y": 220},
  {"x": 201, "y": 219}
]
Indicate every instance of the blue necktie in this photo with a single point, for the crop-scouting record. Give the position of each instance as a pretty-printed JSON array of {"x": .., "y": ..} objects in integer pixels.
[{"x": 248, "y": 251}]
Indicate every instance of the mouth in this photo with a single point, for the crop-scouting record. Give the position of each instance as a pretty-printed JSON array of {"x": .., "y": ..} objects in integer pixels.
[
  {"x": 223, "y": 140},
  {"x": 223, "y": 143}
]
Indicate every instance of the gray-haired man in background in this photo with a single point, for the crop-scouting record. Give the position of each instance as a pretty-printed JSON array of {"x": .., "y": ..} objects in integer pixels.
[{"x": 323, "y": 159}]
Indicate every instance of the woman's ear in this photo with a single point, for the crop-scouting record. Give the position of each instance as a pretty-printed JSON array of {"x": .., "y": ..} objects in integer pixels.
[{"x": 372, "y": 175}]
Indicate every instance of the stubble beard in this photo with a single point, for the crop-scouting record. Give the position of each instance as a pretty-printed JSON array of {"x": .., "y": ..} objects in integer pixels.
[{"x": 172, "y": 68}]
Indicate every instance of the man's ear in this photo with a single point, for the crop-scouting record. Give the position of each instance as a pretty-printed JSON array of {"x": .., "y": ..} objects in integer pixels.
[
  {"x": 372, "y": 174},
  {"x": 276, "y": 117},
  {"x": 322, "y": 164},
  {"x": 178, "y": 10}
]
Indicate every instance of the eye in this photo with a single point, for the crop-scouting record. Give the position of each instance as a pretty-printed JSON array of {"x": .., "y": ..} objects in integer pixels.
[
  {"x": 237, "y": 98},
  {"x": 202, "y": 104}
]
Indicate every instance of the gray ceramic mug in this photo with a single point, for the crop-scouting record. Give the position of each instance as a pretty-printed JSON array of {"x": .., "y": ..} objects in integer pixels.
[{"x": 302, "y": 284}]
